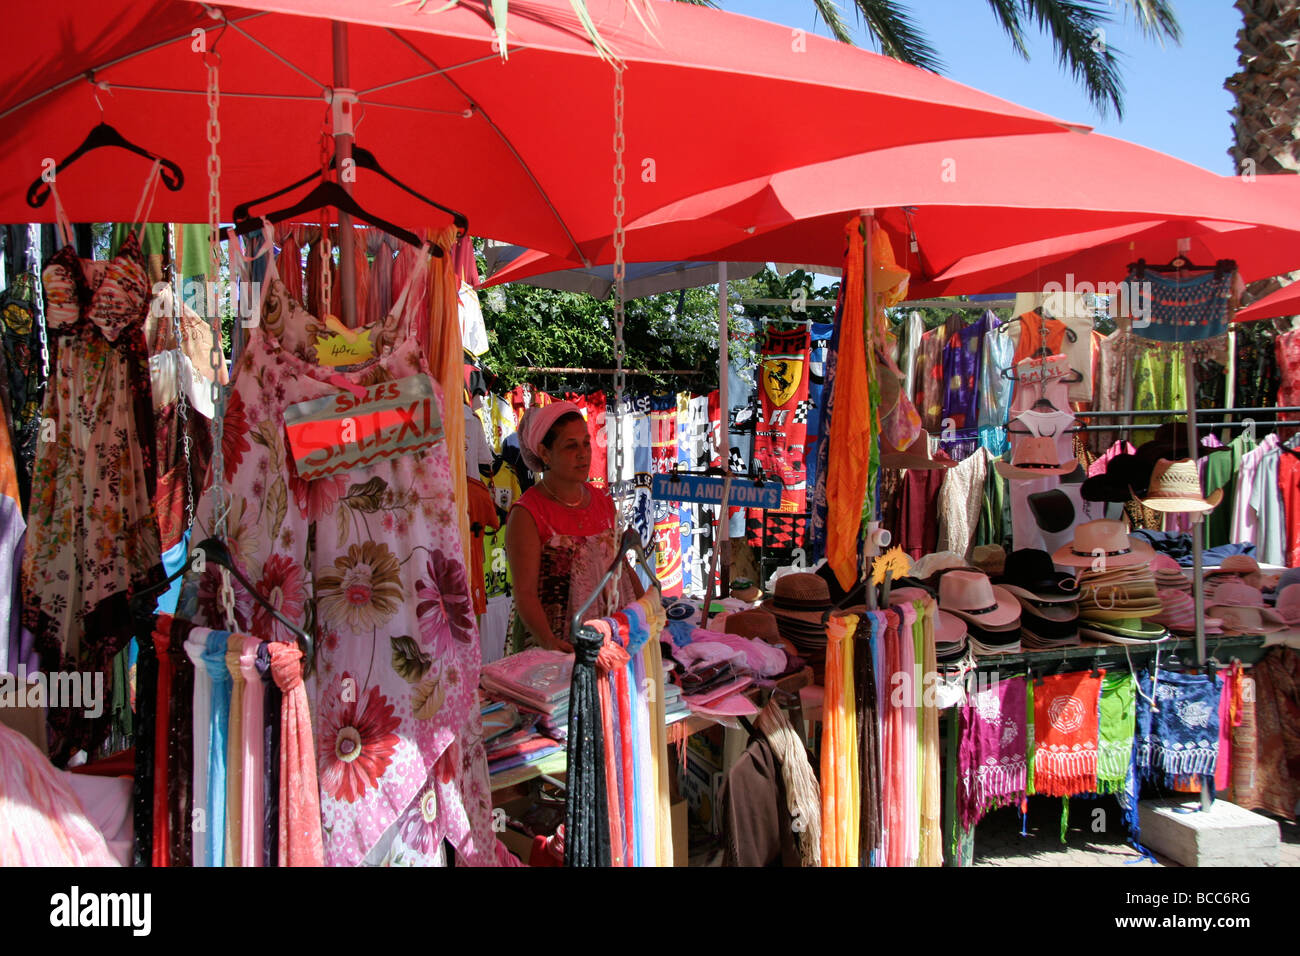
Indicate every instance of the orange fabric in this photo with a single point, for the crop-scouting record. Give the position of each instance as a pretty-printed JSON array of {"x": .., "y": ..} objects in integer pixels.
[
  {"x": 850, "y": 432},
  {"x": 447, "y": 365}
]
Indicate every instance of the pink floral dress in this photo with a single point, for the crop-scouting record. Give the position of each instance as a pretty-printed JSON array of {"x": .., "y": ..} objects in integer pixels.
[{"x": 369, "y": 561}]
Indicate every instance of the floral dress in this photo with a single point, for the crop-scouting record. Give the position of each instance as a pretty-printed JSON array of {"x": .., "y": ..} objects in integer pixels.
[
  {"x": 92, "y": 539},
  {"x": 369, "y": 561}
]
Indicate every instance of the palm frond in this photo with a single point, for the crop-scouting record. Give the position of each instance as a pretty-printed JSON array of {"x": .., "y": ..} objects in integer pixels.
[
  {"x": 1008, "y": 14},
  {"x": 1077, "y": 29},
  {"x": 829, "y": 11},
  {"x": 897, "y": 34},
  {"x": 1156, "y": 19}
]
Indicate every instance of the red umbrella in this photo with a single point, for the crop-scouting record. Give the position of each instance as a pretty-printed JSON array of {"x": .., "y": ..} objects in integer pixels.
[
  {"x": 1284, "y": 302},
  {"x": 956, "y": 199},
  {"x": 523, "y": 146}
]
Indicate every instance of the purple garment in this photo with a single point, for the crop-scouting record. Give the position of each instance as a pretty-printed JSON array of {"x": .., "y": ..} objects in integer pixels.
[
  {"x": 992, "y": 755},
  {"x": 961, "y": 374}
]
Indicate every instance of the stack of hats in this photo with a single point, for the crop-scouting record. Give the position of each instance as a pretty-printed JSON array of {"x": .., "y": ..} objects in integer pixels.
[
  {"x": 800, "y": 603},
  {"x": 1288, "y": 605},
  {"x": 1049, "y": 609},
  {"x": 1169, "y": 574},
  {"x": 1158, "y": 472},
  {"x": 991, "y": 613},
  {"x": 1178, "y": 613},
  {"x": 950, "y": 638},
  {"x": 1117, "y": 598},
  {"x": 1236, "y": 568},
  {"x": 1242, "y": 610}
]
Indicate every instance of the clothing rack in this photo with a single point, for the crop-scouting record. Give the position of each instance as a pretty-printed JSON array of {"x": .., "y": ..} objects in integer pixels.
[
  {"x": 1133, "y": 413},
  {"x": 1205, "y": 426},
  {"x": 610, "y": 371}
]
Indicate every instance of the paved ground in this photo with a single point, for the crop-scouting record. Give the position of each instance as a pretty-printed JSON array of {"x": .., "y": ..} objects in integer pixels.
[{"x": 1096, "y": 837}]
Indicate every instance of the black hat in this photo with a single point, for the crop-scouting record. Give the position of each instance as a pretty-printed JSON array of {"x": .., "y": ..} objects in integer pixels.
[
  {"x": 1053, "y": 510},
  {"x": 1031, "y": 574},
  {"x": 1122, "y": 473}
]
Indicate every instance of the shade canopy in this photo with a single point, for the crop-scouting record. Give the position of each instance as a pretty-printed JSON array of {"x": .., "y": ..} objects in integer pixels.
[
  {"x": 1284, "y": 302},
  {"x": 523, "y": 146},
  {"x": 943, "y": 202},
  {"x": 642, "y": 278}
]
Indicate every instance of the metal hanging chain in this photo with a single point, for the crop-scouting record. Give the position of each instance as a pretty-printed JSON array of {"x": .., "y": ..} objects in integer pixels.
[
  {"x": 38, "y": 295},
  {"x": 219, "y": 507},
  {"x": 620, "y": 274}
]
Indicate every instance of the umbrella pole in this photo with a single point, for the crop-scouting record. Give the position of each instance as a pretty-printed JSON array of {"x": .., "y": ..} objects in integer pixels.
[
  {"x": 1198, "y": 583},
  {"x": 343, "y": 156},
  {"x": 723, "y": 537}
]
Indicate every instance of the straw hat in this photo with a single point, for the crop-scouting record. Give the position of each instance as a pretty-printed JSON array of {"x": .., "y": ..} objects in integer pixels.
[
  {"x": 1176, "y": 486},
  {"x": 1103, "y": 538},
  {"x": 990, "y": 558},
  {"x": 971, "y": 596},
  {"x": 1035, "y": 457},
  {"x": 1288, "y": 604},
  {"x": 927, "y": 565},
  {"x": 743, "y": 589},
  {"x": 801, "y": 596},
  {"x": 915, "y": 456},
  {"x": 1247, "y": 620},
  {"x": 1237, "y": 594},
  {"x": 1124, "y": 631},
  {"x": 755, "y": 624},
  {"x": 1242, "y": 564}
]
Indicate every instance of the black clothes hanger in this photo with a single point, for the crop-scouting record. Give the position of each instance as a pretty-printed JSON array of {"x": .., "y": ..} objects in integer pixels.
[
  {"x": 331, "y": 194},
  {"x": 631, "y": 541},
  {"x": 365, "y": 159},
  {"x": 1180, "y": 263},
  {"x": 215, "y": 550},
  {"x": 104, "y": 135}
]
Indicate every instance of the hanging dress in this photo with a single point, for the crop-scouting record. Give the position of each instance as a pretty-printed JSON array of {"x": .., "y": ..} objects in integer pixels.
[
  {"x": 369, "y": 561},
  {"x": 92, "y": 536}
]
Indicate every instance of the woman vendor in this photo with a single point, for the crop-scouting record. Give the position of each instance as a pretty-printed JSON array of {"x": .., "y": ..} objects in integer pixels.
[{"x": 561, "y": 535}]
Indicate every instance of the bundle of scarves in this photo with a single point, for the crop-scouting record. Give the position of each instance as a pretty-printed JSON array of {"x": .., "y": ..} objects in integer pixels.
[
  {"x": 880, "y": 747},
  {"x": 622, "y": 742}
]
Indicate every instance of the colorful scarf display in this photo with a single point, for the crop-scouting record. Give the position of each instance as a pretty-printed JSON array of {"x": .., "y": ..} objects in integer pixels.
[
  {"x": 1178, "y": 735},
  {"x": 992, "y": 754},
  {"x": 841, "y": 797},
  {"x": 1065, "y": 731},
  {"x": 780, "y": 438},
  {"x": 586, "y": 828},
  {"x": 1118, "y": 710}
]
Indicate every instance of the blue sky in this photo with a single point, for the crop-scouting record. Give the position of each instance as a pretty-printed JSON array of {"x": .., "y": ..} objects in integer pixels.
[{"x": 1174, "y": 97}]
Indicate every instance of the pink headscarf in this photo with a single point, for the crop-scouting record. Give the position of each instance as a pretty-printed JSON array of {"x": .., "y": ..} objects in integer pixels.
[{"x": 537, "y": 421}]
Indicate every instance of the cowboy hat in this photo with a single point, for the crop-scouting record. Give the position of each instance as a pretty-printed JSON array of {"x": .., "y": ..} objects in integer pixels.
[
  {"x": 1123, "y": 472},
  {"x": 971, "y": 596},
  {"x": 1176, "y": 486},
  {"x": 801, "y": 596},
  {"x": 754, "y": 624},
  {"x": 1104, "y": 539},
  {"x": 1030, "y": 573}
]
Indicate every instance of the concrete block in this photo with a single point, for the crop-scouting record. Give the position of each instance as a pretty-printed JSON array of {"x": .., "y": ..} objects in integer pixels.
[{"x": 1225, "y": 835}]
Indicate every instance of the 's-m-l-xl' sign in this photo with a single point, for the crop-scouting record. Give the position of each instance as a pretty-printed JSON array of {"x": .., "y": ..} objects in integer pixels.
[{"x": 707, "y": 490}]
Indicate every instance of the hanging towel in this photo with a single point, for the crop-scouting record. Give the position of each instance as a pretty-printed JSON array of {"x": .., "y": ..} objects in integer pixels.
[
  {"x": 1065, "y": 732},
  {"x": 1117, "y": 724},
  {"x": 991, "y": 758},
  {"x": 1179, "y": 735}
]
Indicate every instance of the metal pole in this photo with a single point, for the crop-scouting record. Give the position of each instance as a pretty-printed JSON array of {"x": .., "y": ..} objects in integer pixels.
[
  {"x": 722, "y": 536},
  {"x": 343, "y": 156},
  {"x": 1198, "y": 584}
]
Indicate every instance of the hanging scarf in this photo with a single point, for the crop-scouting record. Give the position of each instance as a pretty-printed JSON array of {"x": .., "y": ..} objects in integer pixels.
[
  {"x": 271, "y": 704},
  {"x": 586, "y": 827},
  {"x": 839, "y": 777},
  {"x": 214, "y": 659},
  {"x": 868, "y": 719},
  {"x": 1178, "y": 736},
  {"x": 1118, "y": 710},
  {"x": 301, "y": 841},
  {"x": 909, "y": 838},
  {"x": 235, "y": 753},
  {"x": 162, "y": 770},
  {"x": 253, "y": 768},
  {"x": 180, "y": 747},
  {"x": 931, "y": 796},
  {"x": 1065, "y": 731},
  {"x": 202, "y": 708},
  {"x": 991, "y": 758}
]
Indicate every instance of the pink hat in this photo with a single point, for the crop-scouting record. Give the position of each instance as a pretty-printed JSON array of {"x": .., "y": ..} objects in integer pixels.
[
  {"x": 1239, "y": 564},
  {"x": 970, "y": 596},
  {"x": 1035, "y": 457},
  {"x": 1104, "y": 539},
  {"x": 1236, "y": 594},
  {"x": 1247, "y": 620},
  {"x": 1162, "y": 562},
  {"x": 537, "y": 421},
  {"x": 1288, "y": 604}
]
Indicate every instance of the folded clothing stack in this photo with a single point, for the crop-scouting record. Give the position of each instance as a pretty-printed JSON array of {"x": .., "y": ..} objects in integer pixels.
[{"x": 528, "y": 718}]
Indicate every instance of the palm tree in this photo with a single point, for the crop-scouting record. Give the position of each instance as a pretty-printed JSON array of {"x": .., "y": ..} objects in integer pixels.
[
  {"x": 1266, "y": 117},
  {"x": 1077, "y": 29}
]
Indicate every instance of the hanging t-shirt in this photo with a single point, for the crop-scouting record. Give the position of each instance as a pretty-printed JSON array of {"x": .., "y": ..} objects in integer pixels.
[
  {"x": 1061, "y": 511},
  {"x": 1221, "y": 469},
  {"x": 592, "y": 405},
  {"x": 1288, "y": 480},
  {"x": 1245, "y": 515},
  {"x": 667, "y": 521},
  {"x": 1266, "y": 502},
  {"x": 1033, "y": 332}
]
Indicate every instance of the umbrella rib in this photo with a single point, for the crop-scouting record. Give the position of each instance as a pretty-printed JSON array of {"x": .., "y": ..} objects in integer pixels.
[
  {"x": 111, "y": 63},
  {"x": 504, "y": 139},
  {"x": 430, "y": 75},
  {"x": 294, "y": 97},
  {"x": 256, "y": 42}
]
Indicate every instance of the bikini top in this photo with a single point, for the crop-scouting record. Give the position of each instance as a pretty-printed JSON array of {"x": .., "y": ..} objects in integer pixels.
[{"x": 112, "y": 294}]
